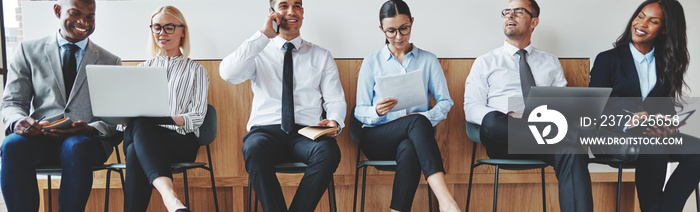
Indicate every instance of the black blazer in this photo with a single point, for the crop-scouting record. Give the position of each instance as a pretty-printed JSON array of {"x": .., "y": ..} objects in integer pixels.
[{"x": 615, "y": 69}]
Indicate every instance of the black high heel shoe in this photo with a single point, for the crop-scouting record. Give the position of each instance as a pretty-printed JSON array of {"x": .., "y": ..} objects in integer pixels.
[{"x": 183, "y": 210}]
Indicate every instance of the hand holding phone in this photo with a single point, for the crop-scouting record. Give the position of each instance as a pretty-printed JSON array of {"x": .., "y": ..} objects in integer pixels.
[
  {"x": 271, "y": 28},
  {"x": 274, "y": 22}
]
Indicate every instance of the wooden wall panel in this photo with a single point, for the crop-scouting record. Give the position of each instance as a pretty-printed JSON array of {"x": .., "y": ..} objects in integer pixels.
[{"x": 519, "y": 189}]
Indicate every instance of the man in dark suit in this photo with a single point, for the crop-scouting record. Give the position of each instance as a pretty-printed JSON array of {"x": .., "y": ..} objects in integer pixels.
[{"x": 47, "y": 79}]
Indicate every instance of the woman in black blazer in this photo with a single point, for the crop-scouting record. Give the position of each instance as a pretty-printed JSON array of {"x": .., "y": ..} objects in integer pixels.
[{"x": 647, "y": 66}]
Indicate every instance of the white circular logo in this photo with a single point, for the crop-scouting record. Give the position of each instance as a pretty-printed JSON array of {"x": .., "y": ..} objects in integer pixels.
[{"x": 542, "y": 115}]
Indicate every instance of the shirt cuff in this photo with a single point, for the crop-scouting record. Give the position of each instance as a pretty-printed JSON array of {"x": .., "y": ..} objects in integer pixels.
[{"x": 336, "y": 118}]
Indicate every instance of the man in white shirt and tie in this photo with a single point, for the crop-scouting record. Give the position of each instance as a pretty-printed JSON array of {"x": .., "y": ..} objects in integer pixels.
[
  {"x": 509, "y": 71},
  {"x": 293, "y": 82}
]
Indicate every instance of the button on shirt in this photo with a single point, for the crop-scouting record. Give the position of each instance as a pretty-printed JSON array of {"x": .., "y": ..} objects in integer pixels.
[
  {"x": 495, "y": 77},
  {"x": 646, "y": 69},
  {"x": 383, "y": 63},
  {"x": 62, "y": 49},
  {"x": 316, "y": 81}
]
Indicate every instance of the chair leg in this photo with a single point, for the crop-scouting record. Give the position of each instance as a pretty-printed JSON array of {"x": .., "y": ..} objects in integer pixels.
[
  {"x": 495, "y": 190},
  {"x": 471, "y": 176},
  {"x": 121, "y": 176},
  {"x": 354, "y": 197},
  {"x": 213, "y": 188},
  {"x": 48, "y": 178},
  {"x": 364, "y": 185},
  {"x": 619, "y": 187},
  {"x": 107, "y": 182},
  {"x": 187, "y": 193},
  {"x": 544, "y": 194},
  {"x": 469, "y": 187},
  {"x": 250, "y": 188},
  {"x": 430, "y": 199},
  {"x": 331, "y": 196}
]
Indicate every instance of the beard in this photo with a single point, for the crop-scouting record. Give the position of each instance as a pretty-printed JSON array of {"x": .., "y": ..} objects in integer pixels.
[{"x": 513, "y": 32}]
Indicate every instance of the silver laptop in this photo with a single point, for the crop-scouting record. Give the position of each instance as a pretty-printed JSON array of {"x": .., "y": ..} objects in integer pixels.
[
  {"x": 572, "y": 102},
  {"x": 121, "y": 93},
  {"x": 584, "y": 101}
]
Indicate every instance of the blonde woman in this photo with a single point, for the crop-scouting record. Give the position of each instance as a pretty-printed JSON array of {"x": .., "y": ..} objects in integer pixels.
[{"x": 150, "y": 148}]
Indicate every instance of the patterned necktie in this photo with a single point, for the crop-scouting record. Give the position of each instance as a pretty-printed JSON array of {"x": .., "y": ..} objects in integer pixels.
[
  {"x": 69, "y": 66},
  {"x": 526, "y": 78},
  {"x": 288, "y": 90}
]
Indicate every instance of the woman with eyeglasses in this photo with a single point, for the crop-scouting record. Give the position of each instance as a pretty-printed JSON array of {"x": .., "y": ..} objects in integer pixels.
[
  {"x": 405, "y": 135},
  {"x": 151, "y": 147},
  {"x": 647, "y": 66}
]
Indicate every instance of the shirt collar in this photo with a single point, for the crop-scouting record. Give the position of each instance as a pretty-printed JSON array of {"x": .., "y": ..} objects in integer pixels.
[
  {"x": 279, "y": 42},
  {"x": 387, "y": 54},
  {"x": 62, "y": 41},
  {"x": 511, "y": 50},
  {"x": 163, "y": 57},
  {"x": 639, "y": 57}
]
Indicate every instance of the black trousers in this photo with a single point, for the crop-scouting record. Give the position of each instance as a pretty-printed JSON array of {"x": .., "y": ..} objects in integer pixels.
[
  {"x": 651, "y": 174},
  {"x": 570, "y": 165},
  {"x": 150, "y": 150},
  {"x": 265, "y": 146},
  {"x": 411, "y": 142}
]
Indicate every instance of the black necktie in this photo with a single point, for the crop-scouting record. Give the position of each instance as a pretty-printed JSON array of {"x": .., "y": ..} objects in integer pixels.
[
  {"x": 288, "y": 90},
  {"x": 69, "y": 66},
  {"x": 526, "y": 78}
]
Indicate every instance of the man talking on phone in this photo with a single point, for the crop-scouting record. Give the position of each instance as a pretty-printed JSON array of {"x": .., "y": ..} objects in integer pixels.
[{"x": 293, "y": 82}]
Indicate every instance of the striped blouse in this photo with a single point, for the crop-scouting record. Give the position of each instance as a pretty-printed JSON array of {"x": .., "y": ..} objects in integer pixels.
[{"x": 188, "y": 85}]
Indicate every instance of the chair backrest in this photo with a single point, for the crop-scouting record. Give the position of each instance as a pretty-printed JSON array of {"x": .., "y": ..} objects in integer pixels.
[
  {"x": 473, "y": 132},
  {"x": 207, "y": 132},
  {"x": 355, "y": 127}
]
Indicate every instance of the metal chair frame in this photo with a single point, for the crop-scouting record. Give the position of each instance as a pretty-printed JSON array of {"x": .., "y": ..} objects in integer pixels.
[
  {"x": 385, "y": 165},
  {"x": 509, "y": 164},
  {"x": 294, "y": 167},
  {"x": 207, "y": 135}
]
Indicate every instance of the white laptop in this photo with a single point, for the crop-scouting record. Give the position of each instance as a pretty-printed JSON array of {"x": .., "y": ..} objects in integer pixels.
[{"x": 121, "y": 93}]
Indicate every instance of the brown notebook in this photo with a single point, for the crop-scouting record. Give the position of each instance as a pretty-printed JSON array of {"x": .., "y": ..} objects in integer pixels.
[
  {"x": 313, "y": 132},
  {"x": 63, "y": 123}
]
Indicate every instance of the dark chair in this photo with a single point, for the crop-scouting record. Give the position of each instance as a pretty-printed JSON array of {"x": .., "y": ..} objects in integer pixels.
[
  {"x": 620, "y": 164},
  {"x": 207, "y": 134},
  {"x": 295, "y": 167},
  {"x": 56, "y": 170},
  {"x": 509, "y": 164},
  {"x": 355, "y": 127}
]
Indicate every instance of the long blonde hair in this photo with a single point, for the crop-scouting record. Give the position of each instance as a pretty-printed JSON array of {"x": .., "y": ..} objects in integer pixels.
[{"x": 153, "y": 48}]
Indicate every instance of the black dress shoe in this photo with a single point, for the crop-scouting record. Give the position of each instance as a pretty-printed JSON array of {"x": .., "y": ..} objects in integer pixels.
[{"x": 183, "y": 210}]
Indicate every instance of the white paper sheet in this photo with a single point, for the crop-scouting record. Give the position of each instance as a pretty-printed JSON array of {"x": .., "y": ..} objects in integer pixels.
[{"x": 407, "y": 88}]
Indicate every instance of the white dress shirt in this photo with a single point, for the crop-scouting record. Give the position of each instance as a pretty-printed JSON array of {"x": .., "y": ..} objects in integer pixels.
[
  {"x": 188, "y": 87},
  {"x": 495, "y": 77},
  {"x": 316, "y": 81}
]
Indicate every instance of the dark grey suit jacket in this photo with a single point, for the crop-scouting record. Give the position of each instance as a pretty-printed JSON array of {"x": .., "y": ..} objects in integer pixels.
[{"x": 35, "y": 85}]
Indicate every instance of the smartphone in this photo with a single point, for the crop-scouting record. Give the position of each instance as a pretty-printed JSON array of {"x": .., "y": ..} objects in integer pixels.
[
  {"x": 684, "y": 116},
  {"x": 274, "y": 23}
]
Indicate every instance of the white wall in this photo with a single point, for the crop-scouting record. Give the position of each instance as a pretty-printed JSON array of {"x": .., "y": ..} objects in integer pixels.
[{"x": 448, "y": 28}]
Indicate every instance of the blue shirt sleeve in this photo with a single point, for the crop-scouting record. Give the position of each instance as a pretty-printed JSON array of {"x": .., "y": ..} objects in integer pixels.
[
  {"x": 364, "y": 109},
  {"x": 437, "y": 85}
]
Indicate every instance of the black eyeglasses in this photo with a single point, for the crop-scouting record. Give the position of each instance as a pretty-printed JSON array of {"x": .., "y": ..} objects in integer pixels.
[
  {"x": 168, "y": 28},
  {"x": 403, "y": 30},
  {"x": 517, "y": 12}
]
